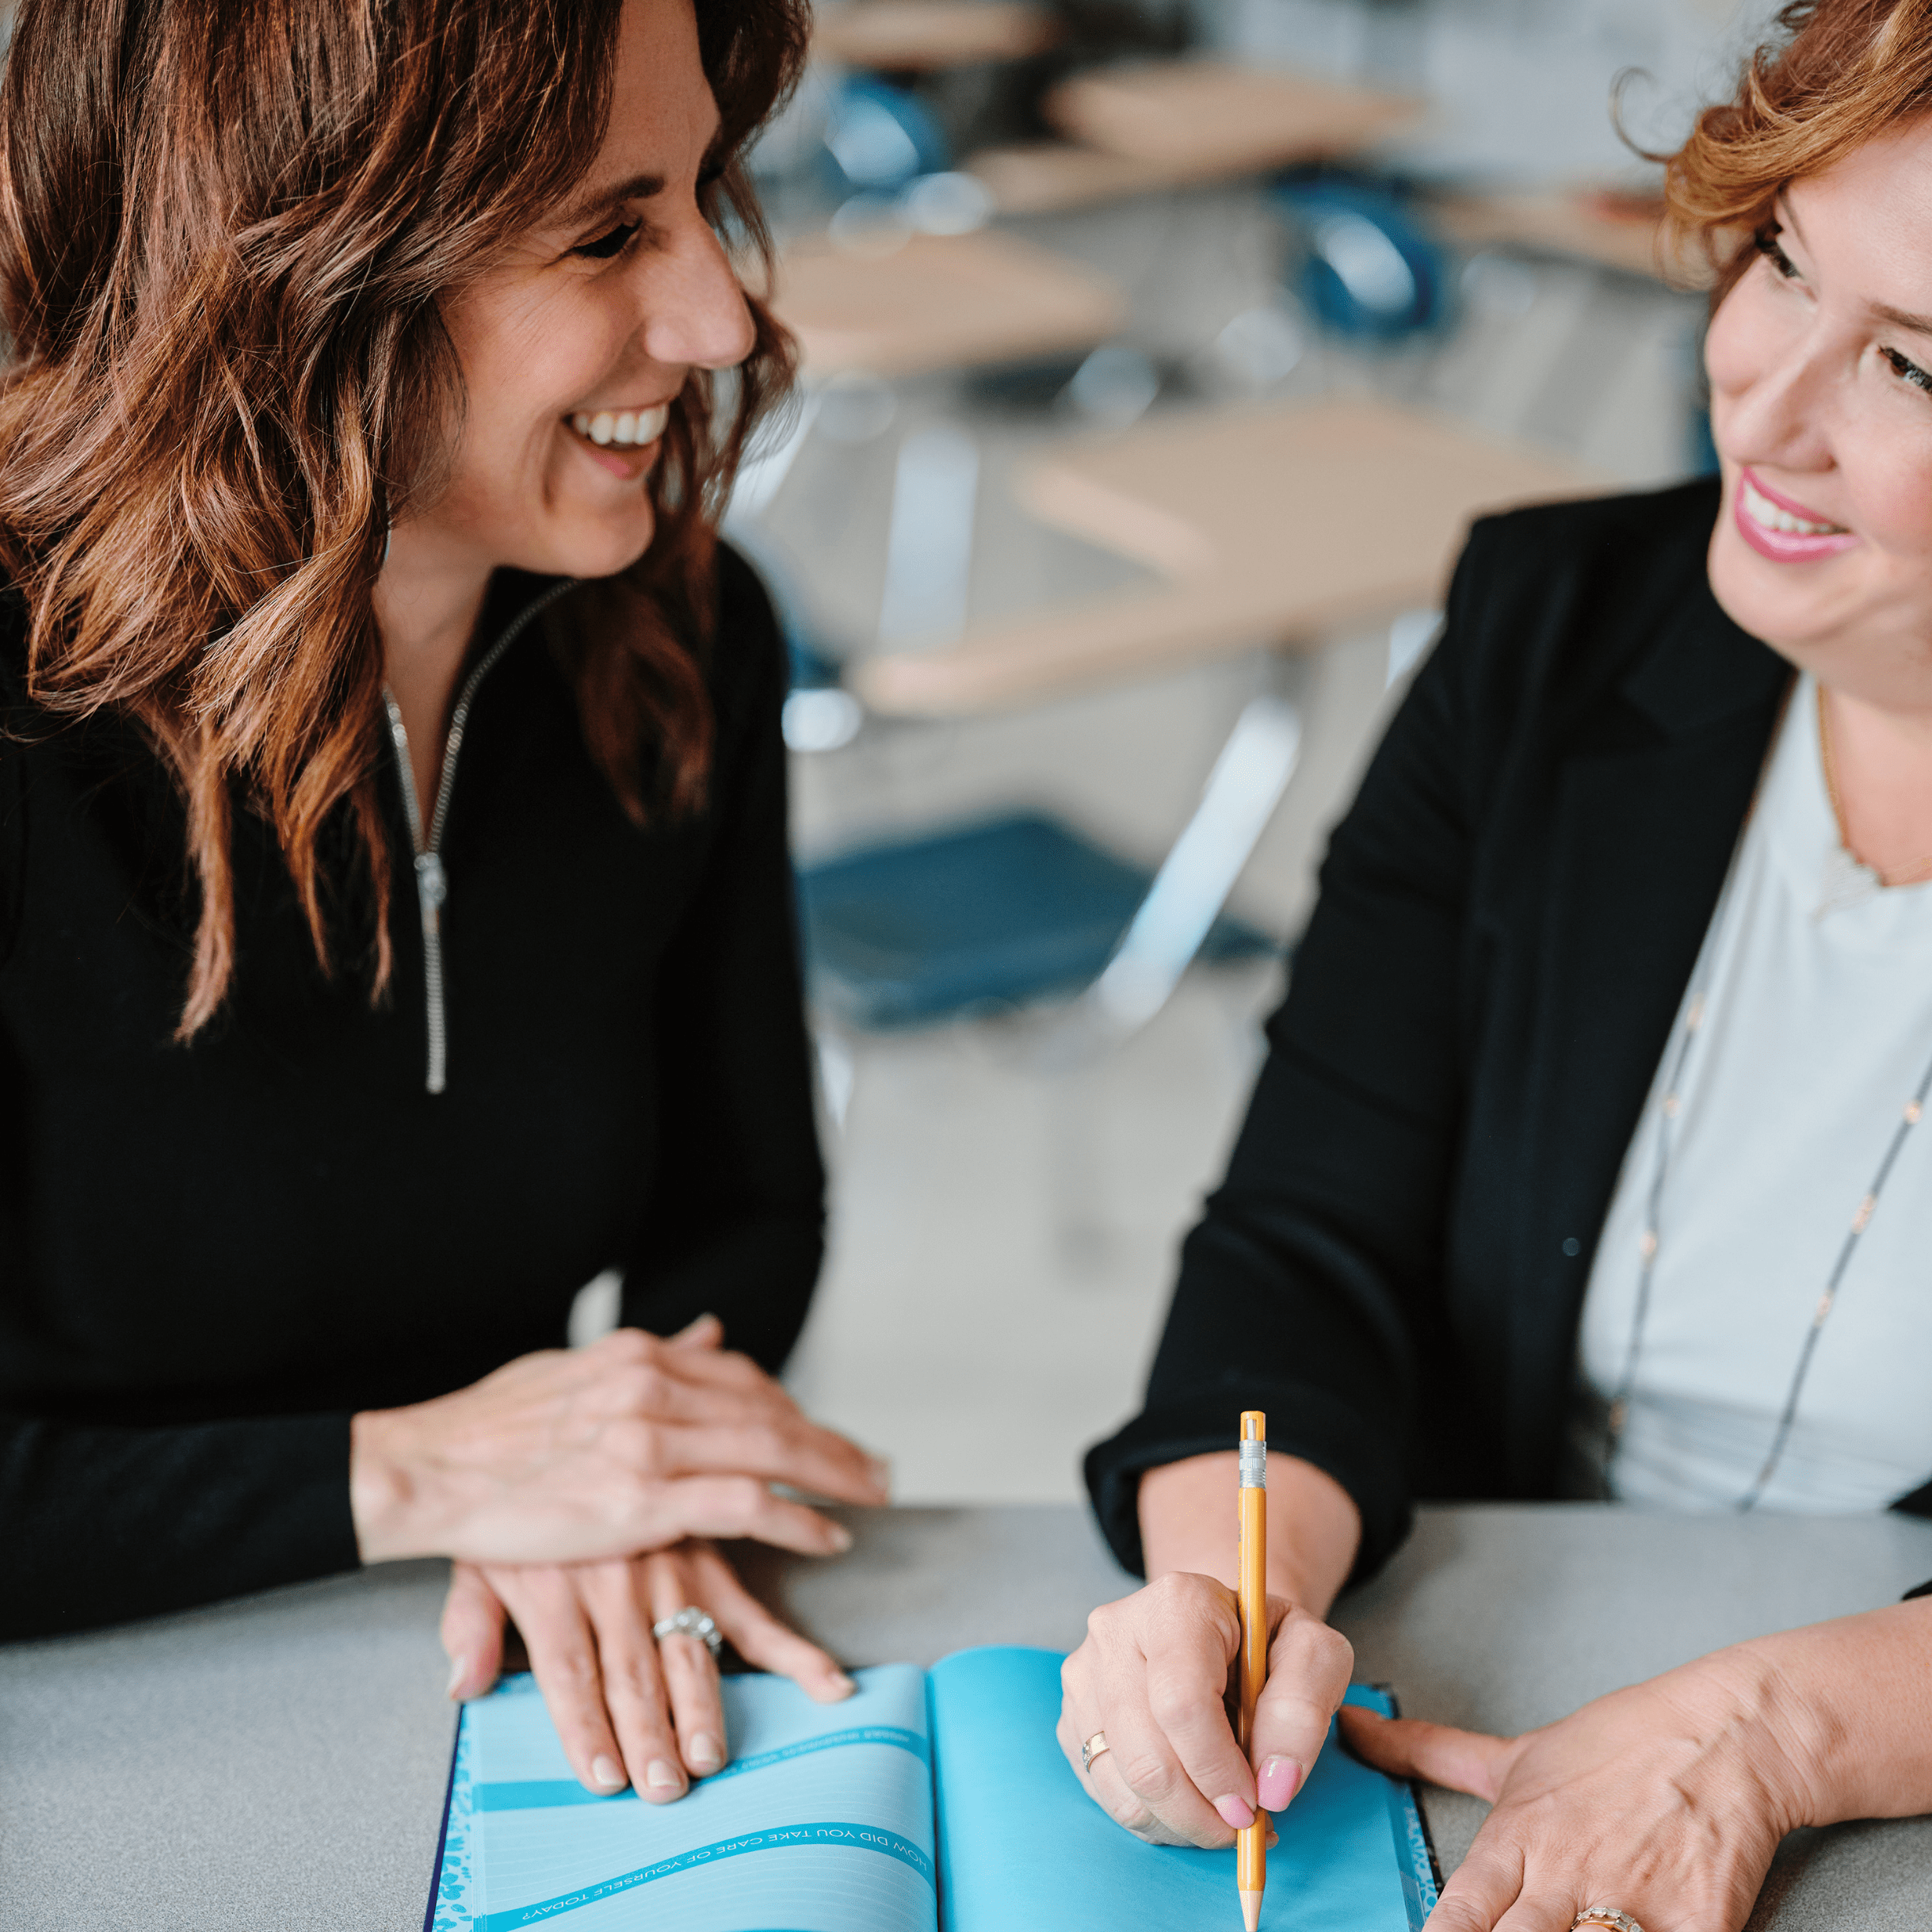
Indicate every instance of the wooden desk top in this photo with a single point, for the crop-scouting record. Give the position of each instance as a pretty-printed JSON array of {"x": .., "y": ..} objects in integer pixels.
[
  {"x": 1133, "y": 129},
  {"x": 1262, "y": 525},
  {"x": 938, "y": 301},
  {"x": 922, "y": 35},
  {"x": 1621, "y": 231},
  {"x": 1208, "y": 113}
]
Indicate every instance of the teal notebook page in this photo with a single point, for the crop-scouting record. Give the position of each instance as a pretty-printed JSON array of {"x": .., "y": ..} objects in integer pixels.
[
  {"x": 1020, "y": 1843},
  {"x": 823, "y": 1821}
]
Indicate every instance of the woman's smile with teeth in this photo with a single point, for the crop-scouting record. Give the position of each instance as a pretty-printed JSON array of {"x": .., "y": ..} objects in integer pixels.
[
  {"x": 627, "y": 428},
  {"x": 1762, "y": 509}
]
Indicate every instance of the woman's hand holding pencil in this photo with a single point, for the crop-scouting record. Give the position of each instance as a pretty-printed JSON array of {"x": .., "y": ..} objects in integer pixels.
[{"x": 1159, "y": 1673}]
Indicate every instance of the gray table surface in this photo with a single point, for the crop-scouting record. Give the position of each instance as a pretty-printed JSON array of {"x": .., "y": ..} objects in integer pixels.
[{"x": 279, "y": 1762}]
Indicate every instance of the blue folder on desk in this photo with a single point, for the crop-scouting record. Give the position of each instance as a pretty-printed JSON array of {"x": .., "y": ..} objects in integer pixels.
[{"x": 928, "y": 1800}]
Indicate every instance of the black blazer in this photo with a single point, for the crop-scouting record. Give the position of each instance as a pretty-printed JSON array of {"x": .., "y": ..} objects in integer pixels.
[{"x": 1394, "y": 1265}]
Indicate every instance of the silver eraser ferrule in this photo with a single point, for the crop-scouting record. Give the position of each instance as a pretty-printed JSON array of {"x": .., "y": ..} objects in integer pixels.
[{"x": 1253, "y": 1466}]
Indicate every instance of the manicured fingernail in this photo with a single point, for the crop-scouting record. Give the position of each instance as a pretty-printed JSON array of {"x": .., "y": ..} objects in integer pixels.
[
  {"x": 458, "y": 1670},
  {"x": 704, "y": 1755},
  {"x": 1279, "y": 1779},
  {"x": 882, "y": 1476},
  {"x": 662, "y": 1775},
  {"x": 841, "y": 1685},
  {"x": 607, "y": 1772},
  {"x": 840, "y": 1537},
  {"x": 1235, "y": 1811}
]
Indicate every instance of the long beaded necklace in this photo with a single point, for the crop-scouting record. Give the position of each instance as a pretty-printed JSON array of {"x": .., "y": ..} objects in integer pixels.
[{"x": 1671, "y": 1107}]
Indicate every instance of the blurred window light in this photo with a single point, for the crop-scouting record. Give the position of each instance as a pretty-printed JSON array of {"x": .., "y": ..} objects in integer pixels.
[
  {"x": 775, "y": 445},
  {"x": 928, "y": 547},
  {"x": 1261, "y": 346},
  {"x": 1497, "y": 285},
  {"x": 793, "y": 139},
  {"x": 821, "y": 720},
  {"x": 870, "y": 224},
  {"x": 947, "y": 204},
  {"x": 856, "y": 407},
  {"x": 1367, "y": 263},
  {"x": 1116, "y": 385}
]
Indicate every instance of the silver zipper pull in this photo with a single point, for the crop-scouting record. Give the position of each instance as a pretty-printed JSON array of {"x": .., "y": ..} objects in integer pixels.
[{"x": 432, "y": 887}]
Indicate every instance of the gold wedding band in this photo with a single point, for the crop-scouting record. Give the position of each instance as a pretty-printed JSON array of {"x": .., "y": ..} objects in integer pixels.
[
  {"x": 1605, "y": 1915},
  {"x": 1097, "y": 1746}
]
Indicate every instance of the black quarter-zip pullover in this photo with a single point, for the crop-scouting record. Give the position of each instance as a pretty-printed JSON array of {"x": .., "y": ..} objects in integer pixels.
[{"x": 211, "y": 1255}]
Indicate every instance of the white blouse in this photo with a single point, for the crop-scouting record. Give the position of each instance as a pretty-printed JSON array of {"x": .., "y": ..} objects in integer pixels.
[{"x": 1817, "y": 1027}]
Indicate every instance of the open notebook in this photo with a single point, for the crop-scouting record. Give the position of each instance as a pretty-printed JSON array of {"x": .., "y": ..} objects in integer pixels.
[{"x": 928, "y": 1800}]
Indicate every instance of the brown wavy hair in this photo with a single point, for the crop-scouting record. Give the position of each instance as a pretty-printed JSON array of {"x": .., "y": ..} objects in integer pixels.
[
  {"x": 225, "y": 229},
  {"x": 1836, "y": 74}
]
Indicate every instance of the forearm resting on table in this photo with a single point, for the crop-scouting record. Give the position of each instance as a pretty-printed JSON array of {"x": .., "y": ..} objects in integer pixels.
[
  {"x": 1188, "y": 1522},
  {"x": 1851, "y": 1703}
]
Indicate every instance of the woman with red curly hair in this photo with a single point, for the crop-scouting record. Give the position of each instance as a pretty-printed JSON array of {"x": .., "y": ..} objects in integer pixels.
[
  {"x": 1588, "y": 1158},
  {"x": 395, "y": 927}
]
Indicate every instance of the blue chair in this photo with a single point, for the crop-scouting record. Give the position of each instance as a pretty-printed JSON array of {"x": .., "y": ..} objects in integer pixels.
[
  {"x": 981, "y": 918},
  {"x": 880, "y": 137},
  {"x": 1369, "y": 270}
]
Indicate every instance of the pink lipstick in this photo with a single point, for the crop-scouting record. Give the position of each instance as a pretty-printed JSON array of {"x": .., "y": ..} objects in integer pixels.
[{"x": 1781, "y": 529}]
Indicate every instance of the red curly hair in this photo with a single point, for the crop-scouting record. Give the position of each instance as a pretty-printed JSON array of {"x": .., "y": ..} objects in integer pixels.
[{"x": 1838, "y": 73}]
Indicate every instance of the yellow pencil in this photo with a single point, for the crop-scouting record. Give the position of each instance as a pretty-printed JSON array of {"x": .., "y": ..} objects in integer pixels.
[{"x": 1251, "y": 1845}]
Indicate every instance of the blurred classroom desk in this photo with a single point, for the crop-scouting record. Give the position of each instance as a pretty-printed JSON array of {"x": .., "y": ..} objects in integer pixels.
[
  {"x": 924, "y": 302},
  {"x": 923, "y": 36},
  {"x": 1274, "y": 524},
  {"x": 281, "y": 1761},
  {"x": 1615, "y": 230},
  {"x": 1136, "y": 129}
]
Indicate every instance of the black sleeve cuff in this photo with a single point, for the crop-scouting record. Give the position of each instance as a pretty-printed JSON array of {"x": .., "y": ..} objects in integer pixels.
[
  {"x": 109, "y": 1524},
  {"x": 1302, "y": 1421}
]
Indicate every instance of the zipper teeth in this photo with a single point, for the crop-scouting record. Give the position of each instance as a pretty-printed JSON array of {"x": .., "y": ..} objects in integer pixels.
[
  {"x": 428, "y": 862},
  {"x": 460, "y": 718}
]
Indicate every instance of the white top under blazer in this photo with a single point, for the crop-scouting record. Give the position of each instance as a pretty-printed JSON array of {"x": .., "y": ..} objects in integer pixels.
[{"x": 1817, "y": 1027}]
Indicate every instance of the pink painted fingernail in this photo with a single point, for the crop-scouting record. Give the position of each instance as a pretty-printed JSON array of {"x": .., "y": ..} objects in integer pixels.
[
  {"x": 660, "y": 1774},
  {"x": 840, "y": 1538},
  {"x": 458, "y": 1670},
  {"x": 881, "y": 1471},
  {"x": 607, "y": 1772},
  {"x": 703, "y": 1754},
  {"x": 1235, "y": 1811},
  {"x": 1281, "y": 1778},
  {"x": 842, "y": 1685}
]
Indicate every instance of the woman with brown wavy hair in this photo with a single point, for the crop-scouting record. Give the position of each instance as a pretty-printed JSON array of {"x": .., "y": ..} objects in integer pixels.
[
  {"x": 1589, "y": 1157},
  {"x": 395, "y": 927}
]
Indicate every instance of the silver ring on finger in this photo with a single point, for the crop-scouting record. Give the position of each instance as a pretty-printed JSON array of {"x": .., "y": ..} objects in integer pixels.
[
  {"x": 1607, "y": 1915},
  {"x": 692, "y": 1622},
  {"x": 1095, "y": 1747}
]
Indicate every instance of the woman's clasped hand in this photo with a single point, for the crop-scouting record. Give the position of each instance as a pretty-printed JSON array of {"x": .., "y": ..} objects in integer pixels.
[{"x": 578, "y": 1491}]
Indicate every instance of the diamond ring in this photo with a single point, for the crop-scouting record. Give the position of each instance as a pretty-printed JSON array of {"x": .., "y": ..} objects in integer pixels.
[
  {"x": 1605, "y": 1915},
  {"x": 1096, "y": 1747},
  {"x": 692, "y": 1622}
]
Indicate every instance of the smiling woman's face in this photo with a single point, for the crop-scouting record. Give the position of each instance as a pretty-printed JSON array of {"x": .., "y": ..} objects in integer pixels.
[
  {"x": 574, "y": 342},
  {"x": 1821, "y": 362}
]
